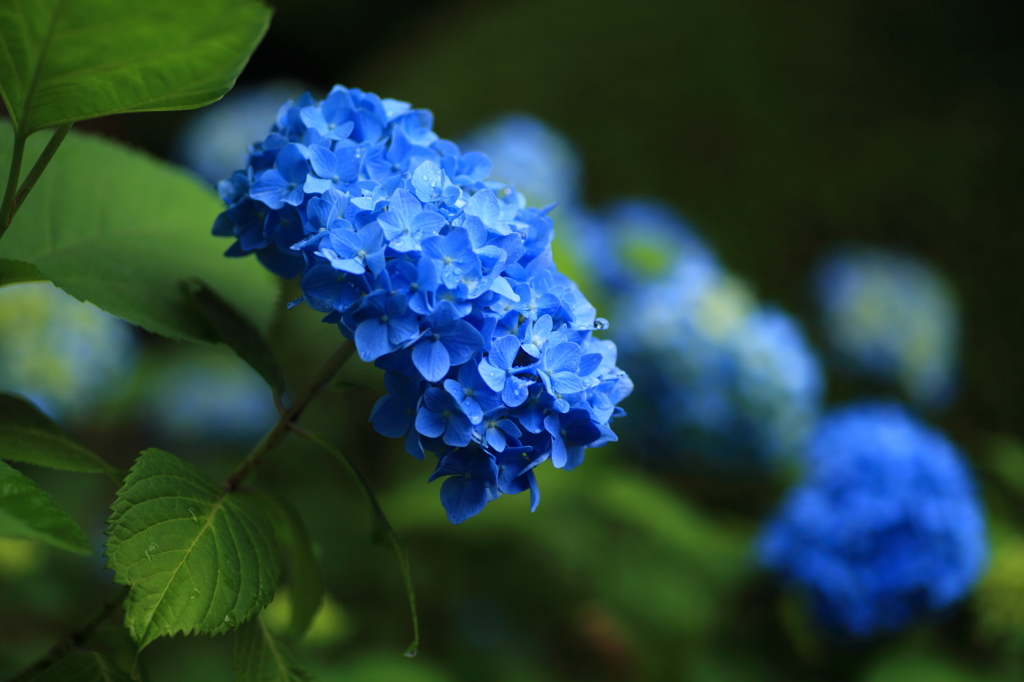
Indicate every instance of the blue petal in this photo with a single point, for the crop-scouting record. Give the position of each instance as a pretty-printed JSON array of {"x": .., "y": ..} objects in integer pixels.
[
  {"x": 430, "y": 424},
  {"x": 391, "y": 416},
  {"x": 564, "y": 357},
  {"x": 463, "y": 497},
  {"x": 566, "y": 383},
  {"x": 403, "y": 329},
  {"x": 372, "y": 340},
  {"x": 589, "y": 364},
  {"x": 516, "y": 391},
  {"x": 485, "y": 206},
  {"x": 462, "y": 341},
  {"x": 271, "y": 188},
  {"x": 323, "y": 160},
  {"x": 436, "y": 400},
  {"x": 492, "y": 376},
  {"x": 559, "y": 456},
  {"x": 504, "y": 351},
  {"x": 496, "y": 439},
  {"x": 431, "y": 359},
  {"x": 459, "y": 432}
]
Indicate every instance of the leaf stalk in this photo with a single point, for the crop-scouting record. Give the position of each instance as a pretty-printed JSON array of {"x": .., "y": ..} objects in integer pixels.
[
  {"x": 7, "y": 207},
  {"x": 291, "y": 415},
  {"x": 14, "y": 199}
]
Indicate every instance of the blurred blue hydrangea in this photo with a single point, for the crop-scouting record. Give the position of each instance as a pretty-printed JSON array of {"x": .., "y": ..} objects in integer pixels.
[
  {"x": 720, "y": 376},
  {"x": 891, "y": 318},
  {"x": 443, "y": 278},
  {"x": 528, "y": 155},
  {"x": 885, "y": 527},
  {"x": 213, "y": 140},
  {"x": 644, "y": 240},
  {"x": 65, "y": 355},
  {"x": 208, "y": 394}
]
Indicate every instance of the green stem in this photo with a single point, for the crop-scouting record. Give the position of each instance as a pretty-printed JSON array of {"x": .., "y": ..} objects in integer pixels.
[
  {"x": 40, "y": 165},
  {"x": 76, "y": 638},
  {"x": 7, "y": 207},
  {"x": 283, "y": 426}
]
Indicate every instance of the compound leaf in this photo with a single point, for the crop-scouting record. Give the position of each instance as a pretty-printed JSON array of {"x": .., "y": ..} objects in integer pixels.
[
  {"x": 120, "y": 229},
  {"x": 27, "y": 511},
  {"x": 27, "y": 435},
  {"x": 70, "y": 60},
  {"x": 199, "y": 560},
  {"x": 261, "y": 657}
]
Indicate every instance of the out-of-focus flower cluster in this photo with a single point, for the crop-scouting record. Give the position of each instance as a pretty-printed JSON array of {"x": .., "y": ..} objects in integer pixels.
[
  {"x": 891, "y": 318},
  {"x": 729, "y": 379},
  {"x": 443, "y": 278},
  {"x": 885, "y": 527},
  {"x": 65, "y": 355},
  {"x": 207, "y": 394}
]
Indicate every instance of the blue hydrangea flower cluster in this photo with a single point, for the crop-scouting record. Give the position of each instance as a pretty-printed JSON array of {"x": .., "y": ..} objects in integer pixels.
[
  {"x": 886, "y": 526},
  {"x": 67, "y": 356},
  {"x": 891, "y": 318},
  {"x": 443, "y": 278},
  {"x": 725, "y": 378}
]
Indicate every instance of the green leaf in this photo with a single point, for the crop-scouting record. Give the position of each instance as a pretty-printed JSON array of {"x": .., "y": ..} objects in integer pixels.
[
  {"x": 27, "y": 511},
  {"x": 27, "y": 435},
  {"x": 261, "y": 657},
  {"x": 12, "y": 272},
  {"x": 198, "y": 560},
  {"x": 237, "y": 332},
  {"x": 121, "y": 229},
  {"x": 80, "y": 666},
  {"x": 70, "y": 60},
  {"x": 307, "y": 589},
  {"x": 382, "y": 529}
]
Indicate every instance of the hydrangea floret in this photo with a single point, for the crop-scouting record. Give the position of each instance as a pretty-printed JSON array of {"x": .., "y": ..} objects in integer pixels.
[
  {"x": 440, "y": 276},
  {"x": 886, "y": 526}
]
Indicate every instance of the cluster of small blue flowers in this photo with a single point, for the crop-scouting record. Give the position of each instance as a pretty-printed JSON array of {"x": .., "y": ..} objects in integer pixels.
[
  {"x": 730, "y": 380},
  {"x": 886, "y": 526},
  {"x": 891, "y": 318},
  {"x": 441, "y": 277},
  {"x": 648, "y": 239}
]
